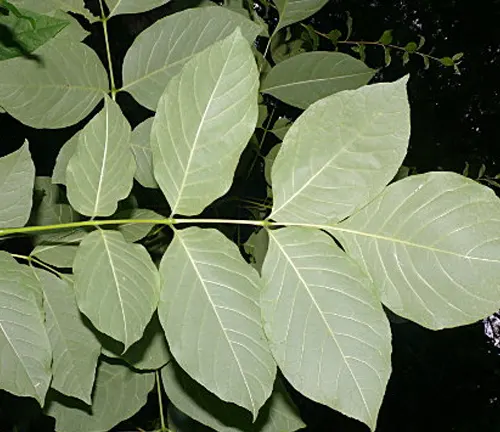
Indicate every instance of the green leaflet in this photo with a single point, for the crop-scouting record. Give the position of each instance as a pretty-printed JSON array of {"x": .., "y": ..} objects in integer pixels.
[
  {"x": 118, "y": 394},
  {"x": 25, "y": 37},
  {"x": 116, "y": 285},
  {"x": 60, "y": 94},
  {"x": 24, "y": 344},
  {"x": 65, "y": 154},
  {"x": 51, "y": 6},
  {"x": 75, "y": 348},
  {"x": 117, "y": 7},
  {"x": 17, "y": 175},
  {"x": 278, "y": 414},
  {"x": 159, "y": 52},
  {"x": 305, "y": 78},
  {"x": 210, "y": 312},
  {"x": 148, "y": 353},
  {"x": 140, "y": 143},
  {"x": 292, "y": 11},
  {"x": 101, "y": 171},
  {"x": 430, "y": 244},
  {"x": 204, "y": 120},
  {"x": 325, "y": 325},
  {"x": 340, "y": 153}
]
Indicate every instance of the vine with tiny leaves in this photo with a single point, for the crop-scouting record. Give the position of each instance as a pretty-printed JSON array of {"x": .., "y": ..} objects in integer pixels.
[{"x": 206, "y": 289}]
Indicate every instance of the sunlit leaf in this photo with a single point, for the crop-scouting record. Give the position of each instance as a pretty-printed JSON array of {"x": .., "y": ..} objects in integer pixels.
[
  {"x": 210, "y": 312},
  {"x": 204, "y": 120},
  {"x": 118, "y": 394},
  {"x": 159, "y": 52},
  {"x": 278, "y": 414},
  {"x": 101, "y": 171},
  {"x": 386, "y": 37},
  {"x": 117, "y": 7},
  {"x": 430, "y": 244},
  {"x": 326, "y": 327},
  {"x": 116, "y": 285},
  {"x": 305, "y": 78},
  {"x": 292, "y": 11},
  {"x": 340, "y": 153},
  {"x": 75, "y": 348},
  {"x": 24, "y": 38},
  {"x": 24, "y": 345},
  {"x": 61, "y": 93},
  {"x": 140, "y": 142},
  {"x": 17, "y": 175}
]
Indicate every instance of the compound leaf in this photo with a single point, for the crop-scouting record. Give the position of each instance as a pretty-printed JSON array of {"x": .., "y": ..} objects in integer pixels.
[
  {"x": 430, "y": 243},
  {"x": 116, "y": 285},
  {"x": 101, "y": 171},
  {"x": 24, "y": 344},
  {"x": 159, "y": 52},
  {"x": 340, "y": 153},
  {"x": 204, "y": 120},
  {"x": 75, "y": 348},
  {"x": 61, "y": 93},
  {"x": 118, "y": 394},
  {"x": 209, "y": 308},
  {"x": 305, "y": 78},
  {"x": 326, "y": 327},
  {"x": 17, "y": 176}
]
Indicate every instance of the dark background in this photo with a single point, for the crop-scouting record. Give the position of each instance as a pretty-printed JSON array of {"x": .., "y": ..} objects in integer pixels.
[{"x": 442, "y": 381}]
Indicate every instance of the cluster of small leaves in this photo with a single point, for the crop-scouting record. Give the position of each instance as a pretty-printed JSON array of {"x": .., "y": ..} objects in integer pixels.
[
  {"x": 96, "y": 318},
  {"x": 307, "y": 39},
  {"x": 481, "y": 176}
]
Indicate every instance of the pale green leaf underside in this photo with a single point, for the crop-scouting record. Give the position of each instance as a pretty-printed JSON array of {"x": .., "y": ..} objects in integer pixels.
[
  {"x": 50, "y": 6},
  {"x": 136, "y": 231},
  {"x": 61, "y": 93},
  {"x": 17, "y": 176},
  {"x": 210, "y": 312},
  {"x": 159, "y": 52},
  {"x": 65, "y": 154},
  {"x": 431, "y": 244},
  {"x": 326, "y": 328},
  {"x": 116, "y": 285},
  {"x": 140, "y": 142},
  {"x": 292, "y": 11},
  {"x": 148, "y": 353},
  {"x": 118, "y": 394},
  {"x": 204, "y": 120},
  {"x": 117, "y": 7},
  {"x": 278, "y": 414},
  {"x": 59, "y": 248},
  {"x": 305, "y": 78},
  {"x": 49, "y": 209},
  {"x": 25, "y": 351},
  {"x": 101, "y": 171},
  {"x": 75, "y": 349},
  {"x": 340, "y": 153}
]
